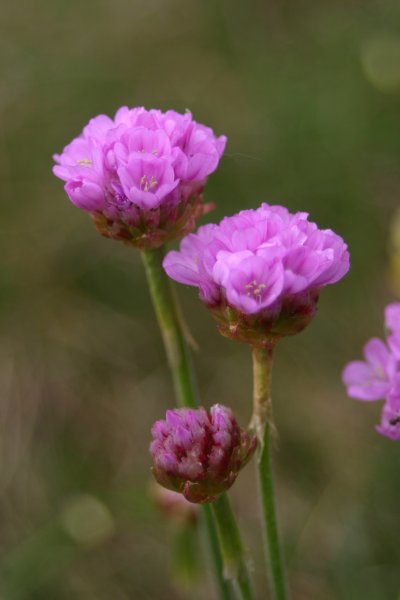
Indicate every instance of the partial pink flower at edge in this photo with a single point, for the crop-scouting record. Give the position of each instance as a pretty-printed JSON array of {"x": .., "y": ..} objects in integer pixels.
[{"x": 370, "y": 379}]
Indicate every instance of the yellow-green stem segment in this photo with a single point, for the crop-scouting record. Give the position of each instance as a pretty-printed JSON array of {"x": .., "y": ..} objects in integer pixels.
[{"x": 262, "y": 423}]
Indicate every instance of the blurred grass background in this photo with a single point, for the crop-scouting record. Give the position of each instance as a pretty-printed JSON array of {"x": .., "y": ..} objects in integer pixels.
[{"x": 308, "y": 93}]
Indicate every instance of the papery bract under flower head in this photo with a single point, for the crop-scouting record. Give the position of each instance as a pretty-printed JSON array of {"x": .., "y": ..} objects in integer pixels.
[
  {"x": 141, "y": 174},
  {"x": 260, "y": 271},
  {"x": 199, "y": 453}
]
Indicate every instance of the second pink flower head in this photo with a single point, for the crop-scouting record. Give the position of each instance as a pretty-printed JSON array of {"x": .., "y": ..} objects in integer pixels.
[{"x": 260, "y": 271}]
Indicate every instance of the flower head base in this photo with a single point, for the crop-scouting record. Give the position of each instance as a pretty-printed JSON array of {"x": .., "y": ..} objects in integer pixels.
[
  {"x": 141, "y": 175},
  {"x": 199, "y": 453},
  {"x": 260, "y": 271},
  {"x": 378, "y": 376}
]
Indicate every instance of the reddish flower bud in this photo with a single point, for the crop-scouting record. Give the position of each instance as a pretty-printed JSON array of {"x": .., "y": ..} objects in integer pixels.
[{"x": 199, "y": 453}]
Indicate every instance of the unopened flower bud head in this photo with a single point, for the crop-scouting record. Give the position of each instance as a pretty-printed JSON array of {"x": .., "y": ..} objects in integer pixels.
[
  {"x": 141, "y": 175},
  {"x": 199, "y": 453},
  {"x": 260, "y": 271}
]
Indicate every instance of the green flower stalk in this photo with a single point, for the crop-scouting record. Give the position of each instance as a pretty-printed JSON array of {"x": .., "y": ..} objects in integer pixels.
[
  {"x": 140, "y": 176},
  {"x": 170, "y": 323},
  {"x": 263, "y": 425},
  {"x": 260, "y": 273}
]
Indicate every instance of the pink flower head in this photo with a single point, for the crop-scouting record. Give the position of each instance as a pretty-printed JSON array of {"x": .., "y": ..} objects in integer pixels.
[
  {"x": 260, "y": 271},
  {"x": 378, "y": 376},
  {"x": 199, "y": 453},
  {"x": 141, "y": 174}
]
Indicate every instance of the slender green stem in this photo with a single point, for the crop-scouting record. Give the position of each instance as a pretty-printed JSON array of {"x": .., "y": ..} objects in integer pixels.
[
  {"x": 170, "y": 323},
  {"x": 235, "y": 564},
  {"x": 216, "y": 557},
  {"x": 262, "y": 423}
]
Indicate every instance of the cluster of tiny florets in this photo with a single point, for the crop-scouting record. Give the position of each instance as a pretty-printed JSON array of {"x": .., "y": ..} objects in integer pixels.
[
  {"x": 260, "y": 269},
  {"x": 199, "y": 453},
  {"x": 140, "y": 174}
]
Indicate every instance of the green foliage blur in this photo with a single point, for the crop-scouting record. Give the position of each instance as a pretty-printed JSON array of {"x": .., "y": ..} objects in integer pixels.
[{"x": 308, "y": 93}]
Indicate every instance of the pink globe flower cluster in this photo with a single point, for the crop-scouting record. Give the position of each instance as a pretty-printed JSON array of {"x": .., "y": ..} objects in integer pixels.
[
  {"x": 260, "y": 271},
  {"x": 378, "y": 376},
  {"x": 199, "y": 453},
  {"x": 141, "y": 175}
]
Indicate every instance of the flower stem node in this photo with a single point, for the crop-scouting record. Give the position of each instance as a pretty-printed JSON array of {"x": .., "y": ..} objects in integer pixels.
[{"x": 199, "y": 453}]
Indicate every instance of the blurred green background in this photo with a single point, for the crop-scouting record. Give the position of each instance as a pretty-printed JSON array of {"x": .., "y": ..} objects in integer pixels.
[{"x": 308, "y": 93}]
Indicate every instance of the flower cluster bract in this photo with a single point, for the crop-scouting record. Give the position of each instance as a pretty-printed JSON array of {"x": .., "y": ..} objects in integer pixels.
[
  {"x": 260, "y": 271},
  {"x": 199, "y": 453},
  {"x": 378, "y": 376},
  {"x": 141, "y": 174}
]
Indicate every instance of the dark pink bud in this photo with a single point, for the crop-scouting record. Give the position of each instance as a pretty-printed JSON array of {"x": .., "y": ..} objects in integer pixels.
[{"x": 199, "y": 453}]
